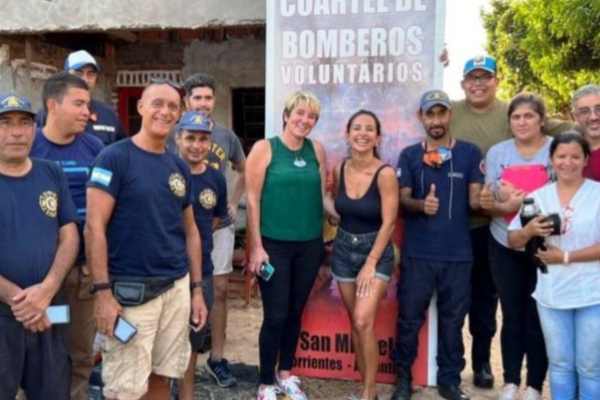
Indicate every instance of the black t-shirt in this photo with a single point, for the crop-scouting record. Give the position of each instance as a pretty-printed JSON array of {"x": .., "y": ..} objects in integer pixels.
[
  {"x": 32, "y": 210},
  {"x": 145, "y": 234}
]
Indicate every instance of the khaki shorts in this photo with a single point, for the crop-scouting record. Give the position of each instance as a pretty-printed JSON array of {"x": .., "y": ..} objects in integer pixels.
[
  {"x": 161, "y": 345},
  {"x": 222, "y": 254}
]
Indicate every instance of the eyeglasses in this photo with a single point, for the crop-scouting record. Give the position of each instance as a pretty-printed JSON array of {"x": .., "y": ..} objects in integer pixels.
[
  {"x": 568, "y": 214},
  {"x": 160, "y": 81},
  {"x": 483, "y": 78},
  {"x": 586, "y": 112}
]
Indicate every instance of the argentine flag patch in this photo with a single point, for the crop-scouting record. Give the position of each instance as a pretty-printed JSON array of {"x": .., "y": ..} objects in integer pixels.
[{"x": 101, "y": 176}]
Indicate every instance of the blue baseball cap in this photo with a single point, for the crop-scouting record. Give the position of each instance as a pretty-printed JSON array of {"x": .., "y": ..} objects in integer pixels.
[
  {"x": 434, "y": 98},
  {"x": 80, "y": 59},
  {"x": 11, "y": 102},
  {"x": 195, "y": 121},
  {"x": 485, "y": 63}
]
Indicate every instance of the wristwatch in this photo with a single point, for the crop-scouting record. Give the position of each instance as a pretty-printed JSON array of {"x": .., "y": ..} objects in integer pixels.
[
  {"x": 195, "y": 285},
  {"x": 95, "y": 287}
]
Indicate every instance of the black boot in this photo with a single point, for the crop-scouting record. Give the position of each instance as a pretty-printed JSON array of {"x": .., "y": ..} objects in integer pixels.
[
  {"x": 403, "y": 389},
  {"x": 452, "y": 392},
  {"x": 483, "y": 377}
]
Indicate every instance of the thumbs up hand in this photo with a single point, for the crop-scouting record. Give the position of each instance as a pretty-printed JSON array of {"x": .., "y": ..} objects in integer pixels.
[
  {"x": 486, "y": 197},
  {"x": 431, "y": 203}
]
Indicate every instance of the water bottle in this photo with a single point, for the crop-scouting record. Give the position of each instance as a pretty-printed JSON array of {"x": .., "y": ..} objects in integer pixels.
[{"x": 529, "y": 211}]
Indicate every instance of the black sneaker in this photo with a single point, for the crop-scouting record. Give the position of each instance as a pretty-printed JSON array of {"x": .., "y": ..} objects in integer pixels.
[
  {"x": 403, "y": 389},
  {"x": 483, "y": 377},
  {"x": 221, "y": 372},
  {"x": 452, "y": 392}
]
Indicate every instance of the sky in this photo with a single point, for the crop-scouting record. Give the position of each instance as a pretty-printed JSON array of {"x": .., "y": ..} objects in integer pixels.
[{"x": 465, "y": 38}]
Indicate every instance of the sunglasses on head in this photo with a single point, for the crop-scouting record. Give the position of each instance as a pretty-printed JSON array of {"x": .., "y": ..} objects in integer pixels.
[{"x": 160, "y": 81}]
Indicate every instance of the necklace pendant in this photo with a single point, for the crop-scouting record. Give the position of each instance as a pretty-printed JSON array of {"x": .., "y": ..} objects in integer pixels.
[{"x": 299, "y": 162}]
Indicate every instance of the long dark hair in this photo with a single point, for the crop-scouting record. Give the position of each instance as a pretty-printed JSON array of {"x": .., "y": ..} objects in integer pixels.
[{"x": 377, "y": 125}]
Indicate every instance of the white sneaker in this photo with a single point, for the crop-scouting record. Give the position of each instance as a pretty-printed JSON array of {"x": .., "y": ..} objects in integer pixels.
[
  {"x": 510, "y": 391},
  {"x": 268, "y": 393},
  {"x": 290, "y": 386},
  {"x": 532, "y": 394}
]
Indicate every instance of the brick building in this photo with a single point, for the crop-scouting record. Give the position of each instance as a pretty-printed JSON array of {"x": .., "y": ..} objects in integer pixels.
[{"x": 133, "y": 40}]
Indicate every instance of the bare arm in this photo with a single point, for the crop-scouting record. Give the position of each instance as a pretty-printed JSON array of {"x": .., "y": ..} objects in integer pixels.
[
  {"x": 193, "y": 244},
  {"x": 193, "y": 248},
  {"x": 388, "y": 189},
  {"x": 408, "y": 204},
  {"x": 100, "y": 207},
  {"x": 8, "y": 290},
  {"x": 258, "y": 161},
  {"x": 238, "y": 187},
  {"x": 474, "y": 191},
  {"x": 215, "y": 223},
  {"x": 328, "y": 205}
]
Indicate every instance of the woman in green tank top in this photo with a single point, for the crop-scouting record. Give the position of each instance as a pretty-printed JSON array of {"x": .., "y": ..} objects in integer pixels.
[{"x": 285, "y": 182}]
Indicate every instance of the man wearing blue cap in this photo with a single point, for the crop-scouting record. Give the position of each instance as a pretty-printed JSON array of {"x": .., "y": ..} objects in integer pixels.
[
  {"x": 38, "y": 246},
  {"x": 440, "y": 181},
  {"x": 103, "y": 121},
  {"x": 143, "y": 243},
  {"x": 482, "y": 118},
  {"x": 209, "y": 199},
  {"x": 66, "y": 98}
]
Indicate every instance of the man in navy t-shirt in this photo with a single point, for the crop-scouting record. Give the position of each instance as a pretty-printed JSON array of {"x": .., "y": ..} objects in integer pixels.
[
  {"x": 38, "y": 245},
  {"x": 209, "y": 199},
  {"x": 440, "y": 180},
  {"x": 67, "y": 98},
  {"x": 142, "y": 240},
  {"x": 103, "y": 121}
]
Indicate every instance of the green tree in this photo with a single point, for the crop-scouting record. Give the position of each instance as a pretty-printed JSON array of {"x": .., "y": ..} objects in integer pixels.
[{"x": 551, "y": 47}]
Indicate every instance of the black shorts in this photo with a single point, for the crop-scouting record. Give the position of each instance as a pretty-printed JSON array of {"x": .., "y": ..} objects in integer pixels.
[{"x": 37, "y": 362}]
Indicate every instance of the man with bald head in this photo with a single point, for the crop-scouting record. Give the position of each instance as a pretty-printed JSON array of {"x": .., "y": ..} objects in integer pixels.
[{"x": 144, "y": 254}]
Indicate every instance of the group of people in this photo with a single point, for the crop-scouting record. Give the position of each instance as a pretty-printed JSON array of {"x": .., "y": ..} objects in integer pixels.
[
  {"x": 141, "y": 230},
  {"x": 113, "y": 229},
  {"x": 460, "y": 190}
]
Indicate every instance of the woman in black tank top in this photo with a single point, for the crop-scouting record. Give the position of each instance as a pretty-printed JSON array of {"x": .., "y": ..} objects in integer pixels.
[{"x": 366, "y": 200}]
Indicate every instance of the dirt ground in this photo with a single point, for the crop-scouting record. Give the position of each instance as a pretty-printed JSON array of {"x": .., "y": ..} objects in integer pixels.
[{"x": 242, "y": 346}]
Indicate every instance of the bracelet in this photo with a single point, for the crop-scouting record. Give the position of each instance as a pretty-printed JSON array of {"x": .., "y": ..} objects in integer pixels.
[
  {"x": 332, "y": 223},
  {"x": 373, "y": 257},
  {"x": 566, "y": 258}
]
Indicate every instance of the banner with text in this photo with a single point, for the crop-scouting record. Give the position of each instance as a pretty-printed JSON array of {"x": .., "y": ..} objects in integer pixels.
[{"x": 378, "y": 55}]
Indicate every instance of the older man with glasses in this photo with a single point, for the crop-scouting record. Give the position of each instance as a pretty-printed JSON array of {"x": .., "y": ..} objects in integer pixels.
[{"x": 586, "y": 110}]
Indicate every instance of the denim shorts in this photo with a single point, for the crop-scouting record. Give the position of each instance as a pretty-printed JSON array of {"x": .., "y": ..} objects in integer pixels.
[{"x": 350, "y": 254}]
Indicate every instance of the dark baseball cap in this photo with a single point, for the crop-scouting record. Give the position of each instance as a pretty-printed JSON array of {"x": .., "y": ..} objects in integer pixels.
[
  {"x": 11, "y": 102},
  {"x": 195, "y": 121},
  {"x": 434, "y": 98}
]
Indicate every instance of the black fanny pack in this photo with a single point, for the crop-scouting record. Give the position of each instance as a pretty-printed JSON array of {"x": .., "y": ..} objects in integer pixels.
[{"x": 136, "y": 291}]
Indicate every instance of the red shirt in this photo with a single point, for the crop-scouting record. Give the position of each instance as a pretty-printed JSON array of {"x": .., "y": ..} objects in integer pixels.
[{"x": 592, "y": 169}]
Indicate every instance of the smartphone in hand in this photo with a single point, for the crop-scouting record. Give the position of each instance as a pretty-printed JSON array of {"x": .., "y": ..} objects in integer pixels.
[
  {"x": 124, "y": 330},
  {"x": 58, "y": 314},
  {"x": 266, "y": 271}
]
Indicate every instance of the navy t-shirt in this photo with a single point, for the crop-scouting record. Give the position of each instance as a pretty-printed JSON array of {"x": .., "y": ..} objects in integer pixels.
[
  {"x": 145, "y": 234},
  {"x": 103, "y": 123},
  {"x": 209, "y": 198},
  {"x": 75, "y": 159},
  {"x": 444, "y": 236},
  {"x": 32, "y": 210}
]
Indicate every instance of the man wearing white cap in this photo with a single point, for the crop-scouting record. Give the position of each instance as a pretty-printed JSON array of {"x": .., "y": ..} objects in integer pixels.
[{"x": 103, "y": 122}]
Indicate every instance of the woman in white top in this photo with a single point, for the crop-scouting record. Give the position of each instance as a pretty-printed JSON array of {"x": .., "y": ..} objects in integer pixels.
[{"x": 568, "y": 296}]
